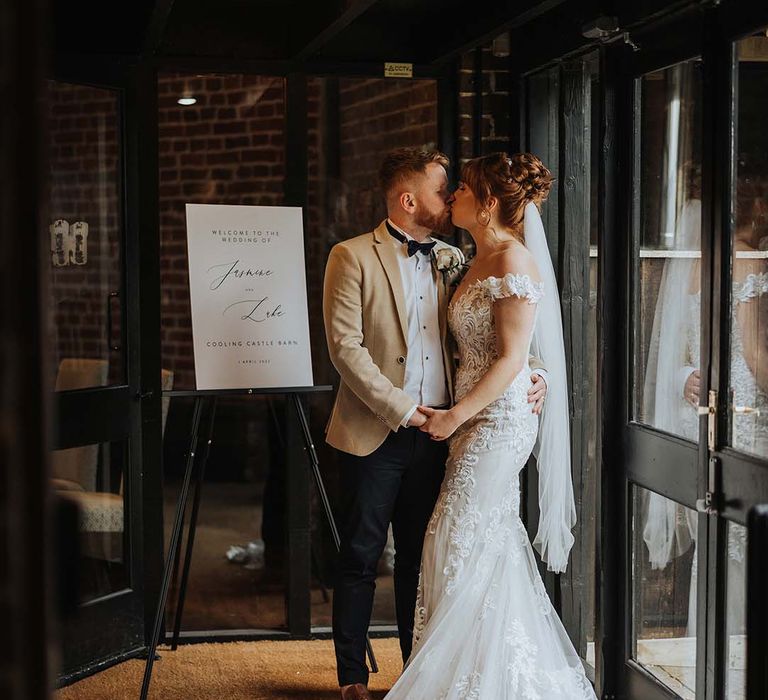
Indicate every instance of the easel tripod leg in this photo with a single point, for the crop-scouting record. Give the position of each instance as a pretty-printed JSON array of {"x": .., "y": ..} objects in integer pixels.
[
  {"x": 193, "y": 527},
  {"x": 172, "y": 547},
  {"x": 315, "y": 465}
]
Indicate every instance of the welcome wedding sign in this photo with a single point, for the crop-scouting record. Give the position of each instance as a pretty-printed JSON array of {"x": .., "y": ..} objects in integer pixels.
[{"x": 249, "y": 297}]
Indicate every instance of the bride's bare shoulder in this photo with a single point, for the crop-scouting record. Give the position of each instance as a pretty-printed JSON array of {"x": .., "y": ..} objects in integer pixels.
[{"x": 515, "y": 259}]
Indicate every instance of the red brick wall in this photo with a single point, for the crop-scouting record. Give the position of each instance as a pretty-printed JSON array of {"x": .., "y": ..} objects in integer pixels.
[
  {"x": 84, "y": 185},
  {"x": 228, "y": 148},
  {"x": 378, "y": 115},
  {"x": 354, "y": 122}
]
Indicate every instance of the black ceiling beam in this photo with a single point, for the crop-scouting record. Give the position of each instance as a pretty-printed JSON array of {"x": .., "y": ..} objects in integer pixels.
[
  {"x": 491, "y": 24},
  {"x": 156, "y": 28},
  {"x": 335, "y": 28},
  {"x": 319, "y": 67}
]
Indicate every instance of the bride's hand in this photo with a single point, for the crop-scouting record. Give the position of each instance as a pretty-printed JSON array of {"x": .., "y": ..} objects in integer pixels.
[{"x": 440, "y": 424}]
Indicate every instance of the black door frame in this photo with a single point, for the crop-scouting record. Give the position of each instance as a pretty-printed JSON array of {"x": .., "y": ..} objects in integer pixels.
[
  {"x": 129, "y": 411},
  {"x": 26, "y": 567},
  {"x": 677, "y": 36},
  {"x": 743, "y": 480}
]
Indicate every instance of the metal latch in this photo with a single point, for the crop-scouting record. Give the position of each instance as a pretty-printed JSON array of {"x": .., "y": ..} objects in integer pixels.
[
  {"x": 710, "y": 410},
  {"x": 712, "y": 503}
]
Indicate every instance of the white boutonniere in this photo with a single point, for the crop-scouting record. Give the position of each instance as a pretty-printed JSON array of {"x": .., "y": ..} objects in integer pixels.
[{"x": 450, "y": 263}]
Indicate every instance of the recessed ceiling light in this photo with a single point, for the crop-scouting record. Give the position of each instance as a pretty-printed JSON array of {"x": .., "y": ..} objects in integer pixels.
[{"x": 186, "y": 101}]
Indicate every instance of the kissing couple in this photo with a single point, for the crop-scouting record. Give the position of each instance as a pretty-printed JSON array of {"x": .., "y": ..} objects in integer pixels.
[{"x": 437, "y": 454}]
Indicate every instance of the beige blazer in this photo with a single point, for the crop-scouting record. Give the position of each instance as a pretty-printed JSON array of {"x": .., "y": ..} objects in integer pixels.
[{"x": 366, "y": 329}]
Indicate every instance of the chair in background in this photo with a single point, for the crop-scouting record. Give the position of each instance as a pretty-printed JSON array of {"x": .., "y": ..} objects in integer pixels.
[{"x": 75, "y": 470}]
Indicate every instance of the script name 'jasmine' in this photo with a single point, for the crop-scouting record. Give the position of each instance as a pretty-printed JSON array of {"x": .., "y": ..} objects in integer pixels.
[{"x": 231, "y": 270}]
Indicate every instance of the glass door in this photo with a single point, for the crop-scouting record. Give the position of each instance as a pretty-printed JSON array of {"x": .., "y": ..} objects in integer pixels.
[
  {"x": 105, "y": 416},
  {"x": 696, "y": 447},
  {"x": 739, "y": 473},
  {"x": 666, "y": 351}
]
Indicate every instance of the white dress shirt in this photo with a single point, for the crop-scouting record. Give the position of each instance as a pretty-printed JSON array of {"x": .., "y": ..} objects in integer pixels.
[{"x": 424, "y": 368}]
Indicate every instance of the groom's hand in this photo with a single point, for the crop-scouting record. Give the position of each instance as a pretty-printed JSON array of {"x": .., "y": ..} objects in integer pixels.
[{"x": 537, "y": 393}]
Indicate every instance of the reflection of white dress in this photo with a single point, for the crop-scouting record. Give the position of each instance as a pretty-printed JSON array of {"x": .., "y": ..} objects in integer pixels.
[
  {"x": 485, "y": 627},
  {"x": 749, "y": 434}
]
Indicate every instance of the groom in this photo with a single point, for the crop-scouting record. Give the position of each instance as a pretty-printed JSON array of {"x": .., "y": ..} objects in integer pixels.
[{"x": 385, "y": 307}]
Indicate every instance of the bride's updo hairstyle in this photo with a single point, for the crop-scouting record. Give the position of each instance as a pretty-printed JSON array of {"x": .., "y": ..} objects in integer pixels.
[{"x": 513, "y": 180}]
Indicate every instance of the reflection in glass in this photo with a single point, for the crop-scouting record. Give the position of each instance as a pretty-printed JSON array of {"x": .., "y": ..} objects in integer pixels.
[
  {"x": 735, "y": 631},
  {"x": 93, "y": 478},
  {"x": 85, "y": 230},
  {"x": 749, "y": 324},
  {"x": 664, "y": 575},
  {"x": 667, "y": 345},
  {"x": 227, "y": 148}
]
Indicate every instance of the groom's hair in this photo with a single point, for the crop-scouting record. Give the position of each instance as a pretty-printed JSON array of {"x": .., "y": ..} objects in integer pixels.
[{"x": 401, "y": 163}]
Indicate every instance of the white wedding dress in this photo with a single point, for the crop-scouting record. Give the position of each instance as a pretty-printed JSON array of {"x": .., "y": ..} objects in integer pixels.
[{"x": 485, "y": 628}]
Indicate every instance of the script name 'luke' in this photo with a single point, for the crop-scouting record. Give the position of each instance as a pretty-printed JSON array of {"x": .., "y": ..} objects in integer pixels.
[
  {"x": 234, "y": 272},
  {"x": 260, "y": 310}
]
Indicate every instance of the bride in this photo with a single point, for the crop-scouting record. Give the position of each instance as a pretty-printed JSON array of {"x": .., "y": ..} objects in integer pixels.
[{"x": 484, "y": 625}]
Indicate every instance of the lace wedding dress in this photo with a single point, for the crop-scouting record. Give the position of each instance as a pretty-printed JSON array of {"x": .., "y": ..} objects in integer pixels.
[{"x": 485, "y": 627}]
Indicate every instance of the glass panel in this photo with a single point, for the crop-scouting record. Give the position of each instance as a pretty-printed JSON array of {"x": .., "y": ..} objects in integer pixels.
[
  {"x": 92, "y": 477},
  {"x": 221, "y": 141},
  {"x": 664, "y": 576},
  {"x": 736, "y": 608},
  {"x": 749, "y": 304},
  {"x": 668, "y": 298},
  {"x": 85, "y": 230},
  {"x": 353, "y": 123}
]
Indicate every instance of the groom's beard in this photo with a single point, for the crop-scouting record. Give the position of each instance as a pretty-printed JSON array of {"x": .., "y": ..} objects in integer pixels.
[{"x": 437, "y": 223}]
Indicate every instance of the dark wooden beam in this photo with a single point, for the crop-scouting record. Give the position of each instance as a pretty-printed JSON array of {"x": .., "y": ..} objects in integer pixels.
[
  {"x": 318, "y": 68},
  {"x": 355, "y": 10},
  {"x": 757, "y": 603},
  {"x": 157, "y": 26},
  {"x": 489, "y": 25},
  {"x": 574, "y": 263}
]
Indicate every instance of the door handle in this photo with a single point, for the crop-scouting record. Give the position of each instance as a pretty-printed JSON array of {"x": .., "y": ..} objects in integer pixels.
[
  {"x": 710, "y": 410},
  {"x": 746, "y": 410}
]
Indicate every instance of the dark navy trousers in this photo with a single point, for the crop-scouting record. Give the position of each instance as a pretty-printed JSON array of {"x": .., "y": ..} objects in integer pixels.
[{"x": 399, "y": 483}]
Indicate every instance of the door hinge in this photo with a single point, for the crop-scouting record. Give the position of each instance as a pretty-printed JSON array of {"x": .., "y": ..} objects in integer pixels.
[{"x": 710, "y": 410}]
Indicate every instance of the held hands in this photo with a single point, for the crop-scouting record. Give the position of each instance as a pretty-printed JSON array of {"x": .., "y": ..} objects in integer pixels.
[
  {"x": 537, "y": 393},
  {"x": 440, "y": 424},
  {"x": 417, "y": 419}
]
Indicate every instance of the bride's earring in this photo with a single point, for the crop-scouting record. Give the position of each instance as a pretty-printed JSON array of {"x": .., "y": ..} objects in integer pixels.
[{"x": 483, "y": 217}]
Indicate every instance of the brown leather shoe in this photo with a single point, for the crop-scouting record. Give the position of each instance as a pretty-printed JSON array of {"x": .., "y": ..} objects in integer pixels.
[{"x": 355, "y": 692}]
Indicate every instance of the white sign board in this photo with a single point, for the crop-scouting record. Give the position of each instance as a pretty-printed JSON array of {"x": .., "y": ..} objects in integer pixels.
[{"x": 249, "y": 297}]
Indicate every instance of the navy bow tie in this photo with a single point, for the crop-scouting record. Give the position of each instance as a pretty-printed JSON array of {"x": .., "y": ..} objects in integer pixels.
[{"x": 413, "y": 246}]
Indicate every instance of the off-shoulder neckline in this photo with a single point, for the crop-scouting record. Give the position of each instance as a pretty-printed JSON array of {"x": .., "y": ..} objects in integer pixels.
[{"x": 482, "y": 280}]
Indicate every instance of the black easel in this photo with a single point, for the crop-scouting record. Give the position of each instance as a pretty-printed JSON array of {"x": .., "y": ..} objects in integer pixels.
[{"x": 202, "y": 399}]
